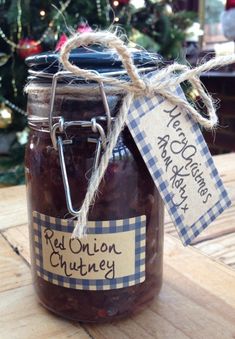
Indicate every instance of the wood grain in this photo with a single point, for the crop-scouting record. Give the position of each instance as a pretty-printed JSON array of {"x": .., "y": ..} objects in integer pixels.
[
  {"x": 13, "y": 206},
  {"x": 213, "y": 277},
  {"x": 18, "y": 237},
  {"x": 14, "y": 272},
  {"x": 23, "y": 318},
  {"x": 218, "y": 240},
  {"x": 221, "y": 248}
]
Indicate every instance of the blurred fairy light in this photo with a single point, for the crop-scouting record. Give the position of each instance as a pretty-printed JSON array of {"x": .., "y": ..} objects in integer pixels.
[
  {"x": 168, "y": 9},
  {"x": 116, "y": 19},
  {"x": 42, "y": 13},
  {"x": 5, "y": 113},
  {"x": 116, "y": 3},
  {"x": 138, "y": 3}
]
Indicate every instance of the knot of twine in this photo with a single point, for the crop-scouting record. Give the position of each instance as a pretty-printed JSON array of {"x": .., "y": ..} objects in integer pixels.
[{"x": 161, "y": 83}]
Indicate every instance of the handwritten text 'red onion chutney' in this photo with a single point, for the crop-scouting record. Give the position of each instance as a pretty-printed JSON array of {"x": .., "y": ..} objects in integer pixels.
[
  {"x": 59, "y": 248},
  {"x": 181, "y": 147}
]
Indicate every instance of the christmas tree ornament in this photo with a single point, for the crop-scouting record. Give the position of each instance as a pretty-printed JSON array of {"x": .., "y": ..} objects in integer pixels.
[
  {"x": 28, "y": 47},
  {"x": 84, "y": 27},
  {"x": 228, "y": 20},
  {"x": 230, "y": 4},
  {"x": 123, "y": 2},
  {"x": 6, "y": 115},
  {"x": 3, "y": 58},
  {"x": 62, "y": 40}
]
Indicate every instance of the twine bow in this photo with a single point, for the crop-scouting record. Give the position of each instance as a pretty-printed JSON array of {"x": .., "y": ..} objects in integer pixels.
[{"x": 160, "y": 84}]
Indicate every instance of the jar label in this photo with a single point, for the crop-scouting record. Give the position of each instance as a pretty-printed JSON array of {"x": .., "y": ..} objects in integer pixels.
[
  {"x": 179, "y": 161},
  {"x": 111, "y": 256}
]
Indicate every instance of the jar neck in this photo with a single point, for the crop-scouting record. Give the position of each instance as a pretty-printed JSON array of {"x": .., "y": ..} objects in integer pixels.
[{"x": 81, "y": 104}]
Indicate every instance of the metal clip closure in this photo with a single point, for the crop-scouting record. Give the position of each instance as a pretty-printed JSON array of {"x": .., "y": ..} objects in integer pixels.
[
  {"x": 64, "y": 74},
  {"x": 58, "y": 143},
  {"x": 61, "y": 126}
]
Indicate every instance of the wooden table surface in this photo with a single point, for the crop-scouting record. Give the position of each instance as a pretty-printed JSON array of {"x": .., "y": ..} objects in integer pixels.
[{"x": 197, "y": 299}]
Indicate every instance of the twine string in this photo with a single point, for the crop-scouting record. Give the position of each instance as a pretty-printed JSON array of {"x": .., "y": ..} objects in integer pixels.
[
  {"x": 109, "y": 40},
  {"x": 162, "y": 83}
]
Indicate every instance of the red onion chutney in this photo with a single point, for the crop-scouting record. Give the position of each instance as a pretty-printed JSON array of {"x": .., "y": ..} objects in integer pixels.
[{"x": 116, "y": 270}]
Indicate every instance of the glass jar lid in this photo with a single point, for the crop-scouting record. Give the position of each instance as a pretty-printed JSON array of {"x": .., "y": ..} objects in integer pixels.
[{"x": 93, "y": 57}]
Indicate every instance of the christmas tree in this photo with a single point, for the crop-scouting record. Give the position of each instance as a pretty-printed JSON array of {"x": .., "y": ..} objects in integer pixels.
[{"x": 30, "y": 27}]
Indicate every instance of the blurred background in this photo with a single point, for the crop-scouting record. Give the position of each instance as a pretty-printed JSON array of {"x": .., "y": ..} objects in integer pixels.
[{"x": 189, "y": 31}]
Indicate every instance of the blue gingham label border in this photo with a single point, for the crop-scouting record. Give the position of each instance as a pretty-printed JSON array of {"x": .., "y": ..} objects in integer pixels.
[
  {"x": 136, "y": 224},
  {"x": 139, "y": 108}
]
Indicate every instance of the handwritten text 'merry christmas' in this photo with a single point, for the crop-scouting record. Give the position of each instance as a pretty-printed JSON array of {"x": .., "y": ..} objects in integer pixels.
[
  {"x": 189, "y": 167},
  {"x": 179, "y": 161},
  {"x": 172, "y": 145}
]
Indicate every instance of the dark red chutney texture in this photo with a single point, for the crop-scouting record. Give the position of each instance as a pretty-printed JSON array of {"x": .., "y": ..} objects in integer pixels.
[{"x": 126, "y": 191}]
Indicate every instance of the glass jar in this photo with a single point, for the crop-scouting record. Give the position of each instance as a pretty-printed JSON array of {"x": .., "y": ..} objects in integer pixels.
[{"x": 115, "y": 270}]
